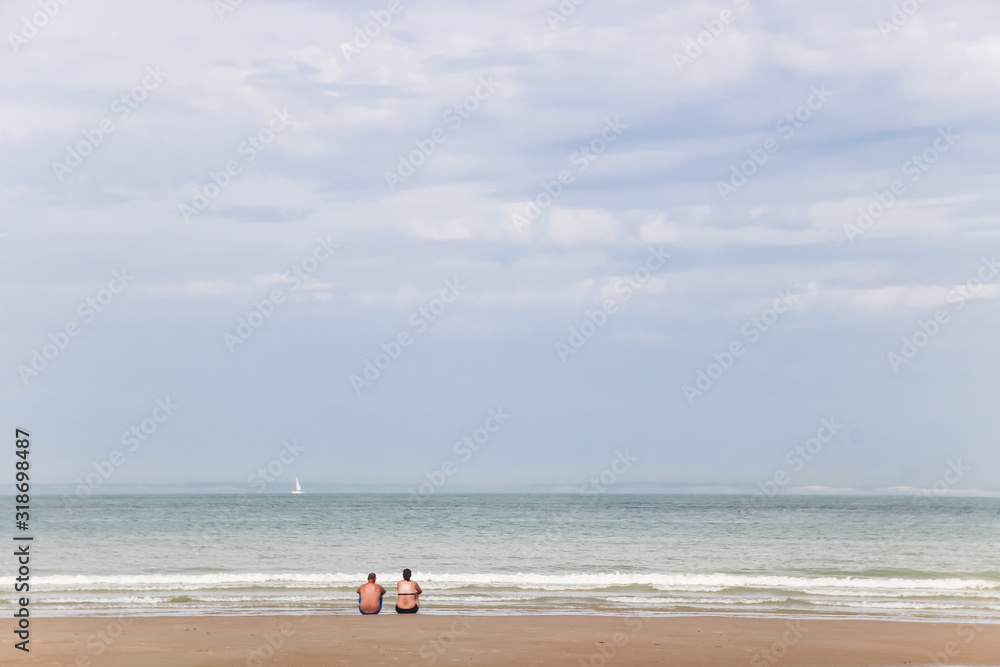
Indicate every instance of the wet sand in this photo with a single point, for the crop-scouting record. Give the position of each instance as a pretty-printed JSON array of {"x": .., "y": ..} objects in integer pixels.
[{"x": 423, "y": 640}]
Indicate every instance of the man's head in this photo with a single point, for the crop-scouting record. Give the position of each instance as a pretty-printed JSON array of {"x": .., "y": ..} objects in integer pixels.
[
  {"x": 371, "y": 577},
  {"x": 406, "y": 574}
]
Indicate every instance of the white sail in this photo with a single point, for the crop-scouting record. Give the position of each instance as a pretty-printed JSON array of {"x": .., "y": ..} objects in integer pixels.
[{"x": 298, "y": 487}]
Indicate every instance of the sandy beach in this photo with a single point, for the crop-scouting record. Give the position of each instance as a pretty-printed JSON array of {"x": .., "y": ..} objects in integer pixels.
[{"x": 388, "y": 639}]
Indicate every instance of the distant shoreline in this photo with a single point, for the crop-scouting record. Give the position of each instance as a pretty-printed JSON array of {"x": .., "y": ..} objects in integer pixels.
[{"x": 233, "y": 489}]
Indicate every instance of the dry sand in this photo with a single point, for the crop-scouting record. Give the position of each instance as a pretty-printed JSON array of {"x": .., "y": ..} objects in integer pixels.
[{"x": 423, "y": 640}]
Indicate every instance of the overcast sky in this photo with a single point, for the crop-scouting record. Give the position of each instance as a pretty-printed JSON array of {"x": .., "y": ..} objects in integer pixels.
[{"x": 696, "y": 171}]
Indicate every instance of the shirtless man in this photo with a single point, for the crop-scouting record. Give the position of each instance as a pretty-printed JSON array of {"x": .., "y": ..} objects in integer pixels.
[
  {"x": 407, "y": 595},
  {"x": 370, "y": 596}
]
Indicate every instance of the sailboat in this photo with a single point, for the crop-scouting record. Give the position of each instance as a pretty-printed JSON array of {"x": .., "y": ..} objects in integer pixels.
[{"x": 298, "y": 487}]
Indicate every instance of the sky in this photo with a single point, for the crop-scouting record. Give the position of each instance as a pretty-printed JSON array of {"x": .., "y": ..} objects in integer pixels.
[{"x": 472, "y": 245}]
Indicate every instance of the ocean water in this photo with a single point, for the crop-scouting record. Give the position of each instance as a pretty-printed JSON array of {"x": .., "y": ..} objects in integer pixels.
[{"x": 909, "y": 558}]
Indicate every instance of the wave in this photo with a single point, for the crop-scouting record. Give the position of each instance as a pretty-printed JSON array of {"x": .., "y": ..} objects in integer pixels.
[
  {"x": 693, "y": 601},
  {"x": 107, "y": 600},
  {"x": 890, "y": 605},
  {"x": 150, "y": 582},
  {"x": 715, "y": 582},
  {"x": 573, "y": 581}
]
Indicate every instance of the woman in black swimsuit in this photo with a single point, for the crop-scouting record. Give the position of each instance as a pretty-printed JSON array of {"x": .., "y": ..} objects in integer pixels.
[{"x": 407, "y": 595}]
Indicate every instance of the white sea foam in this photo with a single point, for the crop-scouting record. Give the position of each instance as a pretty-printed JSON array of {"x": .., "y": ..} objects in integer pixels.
[
  {"x": 574, "y": 581},
  {"x": 108, "y": 600},
  {"x": 669, "y": 602},
  {"x": 149, "y": 582},
  {"x": 966, "y": 593},
  {"x": 713, "y": 581},
  {"x": 889, "y": 605}
]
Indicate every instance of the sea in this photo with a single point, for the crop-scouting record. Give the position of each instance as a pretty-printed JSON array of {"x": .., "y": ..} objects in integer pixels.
[{"x": 913, "y": 558}]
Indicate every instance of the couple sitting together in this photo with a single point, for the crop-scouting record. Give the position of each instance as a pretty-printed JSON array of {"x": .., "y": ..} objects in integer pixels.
[{"x": 407, "y": 596}]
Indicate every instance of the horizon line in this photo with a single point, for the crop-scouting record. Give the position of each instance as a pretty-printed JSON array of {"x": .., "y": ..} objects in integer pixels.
[{"x": 635, "y": 488}]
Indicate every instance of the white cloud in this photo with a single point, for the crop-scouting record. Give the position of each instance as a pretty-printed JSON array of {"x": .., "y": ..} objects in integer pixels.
[{"x": 574, "y": 226}]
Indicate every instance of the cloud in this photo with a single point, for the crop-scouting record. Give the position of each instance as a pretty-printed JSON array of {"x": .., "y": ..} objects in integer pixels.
[
  {"x": 574, "y": 226},
  {"x": 353, "y": 120}
]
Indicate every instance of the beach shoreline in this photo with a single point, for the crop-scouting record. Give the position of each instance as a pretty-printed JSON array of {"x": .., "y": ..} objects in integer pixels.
[{"x": 423, "y": 640}]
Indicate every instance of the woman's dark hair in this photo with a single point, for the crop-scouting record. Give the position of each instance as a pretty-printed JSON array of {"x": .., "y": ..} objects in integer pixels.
[{"x": 406, "y": 574}]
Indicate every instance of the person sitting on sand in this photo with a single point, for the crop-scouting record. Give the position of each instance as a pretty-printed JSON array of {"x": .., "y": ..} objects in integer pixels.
[
  {"x": 370, "y": 596},
  {"x": 407, "y": 595}
]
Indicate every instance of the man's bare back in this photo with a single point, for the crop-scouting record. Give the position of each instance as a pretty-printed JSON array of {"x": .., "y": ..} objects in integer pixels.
[{"x": 370, "y": 596}]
